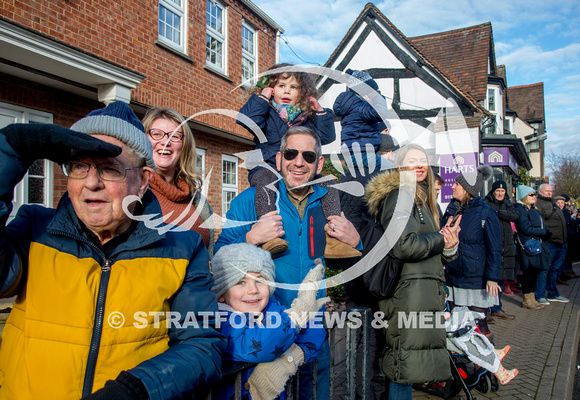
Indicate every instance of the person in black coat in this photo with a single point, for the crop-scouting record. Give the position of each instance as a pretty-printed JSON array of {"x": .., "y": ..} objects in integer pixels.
[
  {"x": 496, "y": 199},
  {"x": 473, "y": 277}
]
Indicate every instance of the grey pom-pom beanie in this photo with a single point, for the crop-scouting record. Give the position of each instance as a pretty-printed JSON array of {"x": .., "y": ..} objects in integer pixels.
[
  {"x": 473, "y": 181},
  {"x": 119, "y": 121},
  {"x": 231, "y": 263}
]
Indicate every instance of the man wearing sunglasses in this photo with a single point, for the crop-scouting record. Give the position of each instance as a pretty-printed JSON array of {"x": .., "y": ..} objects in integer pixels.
[
  {"x": 83, "y": 271},
  {"x": 300, "y": 221}
]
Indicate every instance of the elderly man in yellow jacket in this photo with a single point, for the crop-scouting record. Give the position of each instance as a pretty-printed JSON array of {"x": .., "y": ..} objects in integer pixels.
[{"x": 103, "y": 300}]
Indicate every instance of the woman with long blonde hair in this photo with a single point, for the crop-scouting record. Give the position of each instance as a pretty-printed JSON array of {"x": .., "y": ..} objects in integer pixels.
[
  {"x": 406, "y": 198},
  {"x": 177, "y": 182}
]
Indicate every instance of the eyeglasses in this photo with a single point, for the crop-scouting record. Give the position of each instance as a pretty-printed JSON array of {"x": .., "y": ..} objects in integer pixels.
[
  {"x": 158, "y": 134},
  {"x": 107, "y": 172},
  {"x": 532, "y": 195},
  {"x": 308, "y": 156}
]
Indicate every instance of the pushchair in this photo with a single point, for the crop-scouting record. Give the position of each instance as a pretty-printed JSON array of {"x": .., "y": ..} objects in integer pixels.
[{"x": 466, "y": 375}]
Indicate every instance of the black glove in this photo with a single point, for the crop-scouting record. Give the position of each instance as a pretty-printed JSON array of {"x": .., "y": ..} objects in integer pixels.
[
  {"x": 125, "y": 387},
  {"x": 548, "y": 234},
  {"x": 37, "y": 141}
]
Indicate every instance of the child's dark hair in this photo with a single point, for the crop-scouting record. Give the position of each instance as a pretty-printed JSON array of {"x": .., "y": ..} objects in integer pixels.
[{"x": 305, "y": 83}]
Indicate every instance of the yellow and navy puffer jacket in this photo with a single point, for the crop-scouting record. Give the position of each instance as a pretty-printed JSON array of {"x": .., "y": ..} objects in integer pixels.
[{"x": 80, "y": 318}]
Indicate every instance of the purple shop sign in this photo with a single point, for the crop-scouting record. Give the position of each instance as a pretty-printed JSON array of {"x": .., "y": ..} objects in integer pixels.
[
  {"x": 451, "y": 165},
  {"x": 500, "y": 157}
]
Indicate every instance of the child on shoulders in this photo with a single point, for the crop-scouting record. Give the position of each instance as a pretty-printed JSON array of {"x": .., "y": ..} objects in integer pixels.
[
  {"x": 282, "y": 99},
  {"x": 362, "y": 110}
]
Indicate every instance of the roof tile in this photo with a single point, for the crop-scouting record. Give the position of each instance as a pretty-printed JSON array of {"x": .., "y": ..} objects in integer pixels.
[{"x": 462, "y": 54}]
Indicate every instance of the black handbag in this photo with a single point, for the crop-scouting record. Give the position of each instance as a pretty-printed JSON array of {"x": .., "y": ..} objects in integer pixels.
[{"x": 381, "y": 280}]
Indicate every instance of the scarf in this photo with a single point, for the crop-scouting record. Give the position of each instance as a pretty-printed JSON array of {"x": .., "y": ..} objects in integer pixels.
[{"x": 290, "y": 113}]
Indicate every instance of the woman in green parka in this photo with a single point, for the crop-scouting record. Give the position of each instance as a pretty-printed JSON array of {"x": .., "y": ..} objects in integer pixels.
[{"x": 415, "y": 349}]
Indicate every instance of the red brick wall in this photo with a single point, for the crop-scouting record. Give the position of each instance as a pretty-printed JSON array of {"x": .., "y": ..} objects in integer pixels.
[{"x": 125, "y": 33}]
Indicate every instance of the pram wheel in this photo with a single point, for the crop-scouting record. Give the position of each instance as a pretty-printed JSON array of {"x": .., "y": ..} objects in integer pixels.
[
  {"x": 494, "y": 383},
  {"x": 484, "y": 386}
]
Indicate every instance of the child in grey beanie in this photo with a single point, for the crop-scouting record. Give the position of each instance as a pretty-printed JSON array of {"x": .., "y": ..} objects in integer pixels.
[{"x": 259, "y": 329}]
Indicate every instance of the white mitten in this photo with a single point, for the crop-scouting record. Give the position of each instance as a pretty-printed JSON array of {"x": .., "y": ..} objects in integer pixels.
[
  {"x": 305, "y": 304},
  {"x": 268, "y": 380}
]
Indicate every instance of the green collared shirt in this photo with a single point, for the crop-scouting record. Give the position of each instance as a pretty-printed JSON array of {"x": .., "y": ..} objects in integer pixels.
[{"x": 300, "y": 204}]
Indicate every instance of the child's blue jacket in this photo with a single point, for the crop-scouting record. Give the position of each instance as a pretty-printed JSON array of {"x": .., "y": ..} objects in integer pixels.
[{"x": 252, "y": 343}]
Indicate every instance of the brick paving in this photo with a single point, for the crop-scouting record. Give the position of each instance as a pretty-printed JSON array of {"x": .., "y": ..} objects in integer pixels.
[{"x": 544, "y": 348}]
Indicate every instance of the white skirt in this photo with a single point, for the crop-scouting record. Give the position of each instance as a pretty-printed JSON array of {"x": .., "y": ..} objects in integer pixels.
[{"x": 471, "y": 297}]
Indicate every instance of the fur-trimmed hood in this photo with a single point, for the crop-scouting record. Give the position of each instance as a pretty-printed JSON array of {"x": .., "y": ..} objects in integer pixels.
[{"x": 379, "y": 188}]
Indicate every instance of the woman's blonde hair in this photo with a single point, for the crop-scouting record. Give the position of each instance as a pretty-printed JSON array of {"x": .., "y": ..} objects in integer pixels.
[
  {"x": 186, "y": 168},
  {"x": 306, "y": 86},
  {"x": 467, "y": 196},
  {"x": 526, "y": 200},
  {"x": 427, "y": 195}
]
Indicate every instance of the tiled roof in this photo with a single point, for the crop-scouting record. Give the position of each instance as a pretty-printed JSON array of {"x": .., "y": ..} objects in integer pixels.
[
  {"x": 370, "y": 9},
  {"x": 462, "y": 54},
  {"x": 527, "y": 101}
]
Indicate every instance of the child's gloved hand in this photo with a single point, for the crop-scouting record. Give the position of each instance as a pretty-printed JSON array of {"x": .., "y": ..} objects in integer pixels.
[
  {"x": 267, "y": 380},
  {"x": 54, "y": 142},
  {"x": 306, "y": 303}
]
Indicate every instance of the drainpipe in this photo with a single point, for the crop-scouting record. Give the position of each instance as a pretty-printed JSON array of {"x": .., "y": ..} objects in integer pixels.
[{"x": 277, "y": 47}]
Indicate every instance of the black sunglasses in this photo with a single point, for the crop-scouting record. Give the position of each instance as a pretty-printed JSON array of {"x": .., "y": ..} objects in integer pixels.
[
  {"x": 308, "y": 156},
  {"x": 532, "y": 194}
]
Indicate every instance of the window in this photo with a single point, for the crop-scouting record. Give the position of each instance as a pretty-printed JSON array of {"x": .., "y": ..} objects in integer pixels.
[
  {"x": 171, "y": 26},
  {"x": 248, "y": 53},
  {"x": 508, "y": 126},
  {"x": 229, "y": 181},
  {"x": 200, "y": 162},
  {"x": 491, "y": 100},
  {"x": 215, "y": 39},
  {"x": 36, "y": 186},
  {"x": 493, "y": 103},
  {"x": 535, "y": 145}
]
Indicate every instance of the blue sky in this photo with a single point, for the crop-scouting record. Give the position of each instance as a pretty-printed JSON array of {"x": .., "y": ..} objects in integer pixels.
[{"x": 537, "y": 41}]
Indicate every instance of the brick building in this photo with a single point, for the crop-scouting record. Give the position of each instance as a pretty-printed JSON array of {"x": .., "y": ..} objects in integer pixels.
[
  {"x": 527, "y": 101},
  {"x": 60, "y": 60}
]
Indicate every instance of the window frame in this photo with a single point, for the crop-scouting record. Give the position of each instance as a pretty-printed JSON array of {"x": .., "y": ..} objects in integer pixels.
[
  {"x": 21, "y": 191},
  {"x": 219, "y": 37},
  {"x": 498, "y": 109},
  {"x": 250, "y": 56},
  {"x": 489, "y": 91},
  {"x": 201, "y": 165},
  {"x": 229, "y": 188},
  {"x": 181, "y": 12}
]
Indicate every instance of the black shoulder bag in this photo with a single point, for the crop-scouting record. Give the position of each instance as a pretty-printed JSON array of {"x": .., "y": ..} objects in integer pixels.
[{"x": 381, "y": 280}]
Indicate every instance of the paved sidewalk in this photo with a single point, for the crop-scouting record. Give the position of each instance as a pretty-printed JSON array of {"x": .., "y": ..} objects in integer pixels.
[{"x": 544, "y": 348}]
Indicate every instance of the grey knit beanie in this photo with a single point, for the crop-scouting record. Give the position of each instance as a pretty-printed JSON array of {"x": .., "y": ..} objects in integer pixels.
[
  {"x": 119, "y": 121},
  {"x": 357, "y": 77},
  {"x": 232, "y": 262},
  {"x": 473, "y": 181}
]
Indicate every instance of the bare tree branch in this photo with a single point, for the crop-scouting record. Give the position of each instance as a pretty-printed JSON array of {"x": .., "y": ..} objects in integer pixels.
[{"x": 565, "y": 173}]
